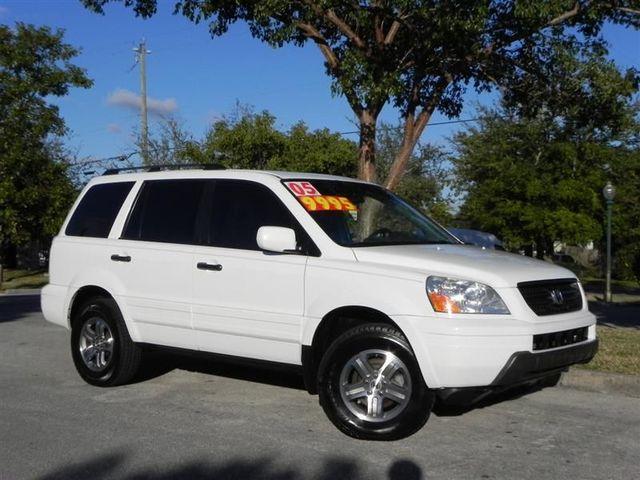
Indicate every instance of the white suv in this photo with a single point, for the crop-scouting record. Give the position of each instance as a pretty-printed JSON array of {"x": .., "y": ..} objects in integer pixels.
[{"x": 382, "y": 309}]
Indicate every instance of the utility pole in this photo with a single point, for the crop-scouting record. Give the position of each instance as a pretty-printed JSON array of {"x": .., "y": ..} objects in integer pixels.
[{"x": 141, "y": 55}]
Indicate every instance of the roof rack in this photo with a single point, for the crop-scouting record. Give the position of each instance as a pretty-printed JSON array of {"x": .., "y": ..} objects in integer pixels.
[{"x": 167, "y": 166}]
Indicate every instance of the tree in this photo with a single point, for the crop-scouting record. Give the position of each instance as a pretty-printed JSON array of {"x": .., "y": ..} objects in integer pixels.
[
  {"x": 524, "y": 186},
  {"x": 624, "y": 171},
  {"x": 420, "y": 56},
  {"x": 35, "y": 192},
  {"x": 246, "y": 139},
  {"x": 529, "y": 184},
  {"x": 534, "y": 175},
  {"x": 173, "y": 144},
  {"x": 319, "y": 151}
]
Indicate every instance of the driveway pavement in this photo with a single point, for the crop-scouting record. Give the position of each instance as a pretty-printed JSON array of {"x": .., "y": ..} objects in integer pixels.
[{"x": 199, "y": 420}]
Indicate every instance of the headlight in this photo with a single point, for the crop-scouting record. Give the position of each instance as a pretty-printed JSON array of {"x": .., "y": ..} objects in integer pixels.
[{"x": 450, "y": 295}]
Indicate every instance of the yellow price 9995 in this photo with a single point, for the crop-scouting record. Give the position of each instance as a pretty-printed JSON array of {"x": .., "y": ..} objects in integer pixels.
[{"x": 326, "y": 202}]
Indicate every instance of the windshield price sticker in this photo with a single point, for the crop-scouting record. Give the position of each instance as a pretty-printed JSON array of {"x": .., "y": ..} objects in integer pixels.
[
  {"x": 303, "y": 189},
  {"x": 327, "y": 202}
]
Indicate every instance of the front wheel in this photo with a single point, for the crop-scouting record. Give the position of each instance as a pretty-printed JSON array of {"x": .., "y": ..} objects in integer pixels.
[
  {"x": 370, "y": 385},
  {"x": 101, "y": 347}
]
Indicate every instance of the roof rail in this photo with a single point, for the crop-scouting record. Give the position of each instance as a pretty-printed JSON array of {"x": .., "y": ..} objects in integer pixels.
[{"x": 167, "y": 166}]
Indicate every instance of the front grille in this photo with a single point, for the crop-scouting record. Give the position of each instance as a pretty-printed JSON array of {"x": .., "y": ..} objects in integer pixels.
[
  {"x": 551, "y": 297},
  {"x": 545, "y": 341}
]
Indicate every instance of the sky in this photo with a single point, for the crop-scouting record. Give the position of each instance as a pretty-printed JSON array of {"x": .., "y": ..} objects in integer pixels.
[{"x": 198, "y": 79}]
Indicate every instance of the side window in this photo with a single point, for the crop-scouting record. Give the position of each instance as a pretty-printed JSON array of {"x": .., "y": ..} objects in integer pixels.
[
  {"x": 98, "y": 209},
  {"x": 166, "y": 211},
  {"x": 239, "y": 208}
]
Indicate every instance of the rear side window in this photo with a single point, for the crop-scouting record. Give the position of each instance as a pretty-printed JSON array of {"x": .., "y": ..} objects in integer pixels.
[
  {"x": 97, "y": 210},
  {"x": 166, "y": 211},
  {"x": 238, "y": 208}
]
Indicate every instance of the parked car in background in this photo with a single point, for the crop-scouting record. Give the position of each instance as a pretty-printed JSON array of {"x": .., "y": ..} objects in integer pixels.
[{"x": 477, "y": 238}]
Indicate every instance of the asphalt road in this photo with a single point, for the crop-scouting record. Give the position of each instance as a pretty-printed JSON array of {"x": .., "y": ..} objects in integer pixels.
[{"x": 198, "y": 420}]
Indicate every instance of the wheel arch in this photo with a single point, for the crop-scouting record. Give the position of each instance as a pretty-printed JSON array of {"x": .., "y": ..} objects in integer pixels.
[
  {"x": 93, "y": 289},
  {"x": 332, "y": 325},
  {"x": 81, "y": 295}
]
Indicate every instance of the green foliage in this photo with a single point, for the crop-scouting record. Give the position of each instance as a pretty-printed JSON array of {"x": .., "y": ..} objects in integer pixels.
[
  {"x": 246, "y": 139},
  {"x": 625, "y": 175},
  {"x": 527, "y": 183},
  {"x": 532, "y": 171},
  {"x": 35, "y": 192},
  {"x": 318, "y": 151}
]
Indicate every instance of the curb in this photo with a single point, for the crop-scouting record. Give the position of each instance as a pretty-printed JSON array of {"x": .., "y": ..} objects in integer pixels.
[{"x": 603, "y": 382}]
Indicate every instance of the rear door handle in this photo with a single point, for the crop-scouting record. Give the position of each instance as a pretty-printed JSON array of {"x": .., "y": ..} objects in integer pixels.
[
  {"x": 216, "y": 267},
  {"x": 120, "y": 258}
]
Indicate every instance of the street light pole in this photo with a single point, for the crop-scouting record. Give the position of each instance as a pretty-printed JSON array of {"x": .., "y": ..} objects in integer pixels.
[{"x": 609, "y": 193}]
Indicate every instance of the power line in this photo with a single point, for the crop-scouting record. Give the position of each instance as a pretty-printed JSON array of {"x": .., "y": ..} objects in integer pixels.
[{"x": 94, "y": 161}]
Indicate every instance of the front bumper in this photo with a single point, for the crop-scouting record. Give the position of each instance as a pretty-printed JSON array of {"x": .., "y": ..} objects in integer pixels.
[
  {"x": 471, "y": 351},
  {"x": 523, "y": 368}
]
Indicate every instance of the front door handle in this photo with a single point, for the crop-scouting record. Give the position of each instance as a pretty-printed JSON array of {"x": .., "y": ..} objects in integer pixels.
[
  {"x": 120, "y": 258},
  {"x": 216, "y": 267}
]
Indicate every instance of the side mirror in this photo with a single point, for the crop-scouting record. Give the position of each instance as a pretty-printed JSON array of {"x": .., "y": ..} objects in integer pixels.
[{"x": 277, "y": 239}]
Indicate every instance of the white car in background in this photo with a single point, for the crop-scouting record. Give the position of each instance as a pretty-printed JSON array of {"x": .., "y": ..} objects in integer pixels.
[{"x": 382, "y": 310}]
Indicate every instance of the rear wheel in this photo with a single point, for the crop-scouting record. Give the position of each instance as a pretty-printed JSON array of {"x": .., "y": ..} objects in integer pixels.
[
  {"x": 370, "y": 385},
  {"x": 103, "y": 352}
]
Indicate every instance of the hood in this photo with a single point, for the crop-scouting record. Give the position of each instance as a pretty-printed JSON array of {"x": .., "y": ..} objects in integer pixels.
[{"x": 495, "y": 268}]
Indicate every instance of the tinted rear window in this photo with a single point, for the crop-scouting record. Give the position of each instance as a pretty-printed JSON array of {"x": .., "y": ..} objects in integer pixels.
[
  {"x": 98, "y": 209},
  {"x": 166, "y": 211}
]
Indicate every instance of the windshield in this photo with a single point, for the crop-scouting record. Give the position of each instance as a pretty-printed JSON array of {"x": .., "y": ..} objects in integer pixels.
[{"x": 360, "y": 215}]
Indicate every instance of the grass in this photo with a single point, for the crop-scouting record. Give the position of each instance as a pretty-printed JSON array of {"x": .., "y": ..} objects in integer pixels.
[
  {"x": 619, "y": 351},
  {"x": 14, "y": 279}
]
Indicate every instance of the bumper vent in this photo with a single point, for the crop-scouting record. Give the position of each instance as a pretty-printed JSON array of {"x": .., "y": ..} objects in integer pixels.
[
  {"x": 551, "y": 297},
  {"x": 545, "y": 341}
]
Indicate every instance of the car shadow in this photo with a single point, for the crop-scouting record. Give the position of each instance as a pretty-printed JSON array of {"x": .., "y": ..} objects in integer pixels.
[
  {"x": 18, "y": 307},
  {"x": 442, "y": 409},
  {"x": 264, "y": 468}
]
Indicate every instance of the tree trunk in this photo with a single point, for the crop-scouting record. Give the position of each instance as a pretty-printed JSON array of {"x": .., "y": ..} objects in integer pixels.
[
  {"x": 416, "y": 118},
  {"x": 540, "y": 249},
  {"x": 413, "y": 128},
  {"x": 400, "y": 162},
  {"x": 8, "y": 255},
  {"x": 367, "y": 148}
]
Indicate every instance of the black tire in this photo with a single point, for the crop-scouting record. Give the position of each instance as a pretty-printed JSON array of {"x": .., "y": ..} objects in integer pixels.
[
  {"x": 367, "y": 338},
  {"x": 124, "y": 359}
]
